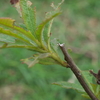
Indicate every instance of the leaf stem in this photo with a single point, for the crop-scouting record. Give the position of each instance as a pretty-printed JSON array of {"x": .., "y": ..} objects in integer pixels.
[
  {"x": 58, "y": 60},
  {"x": 77, "y": 72}
]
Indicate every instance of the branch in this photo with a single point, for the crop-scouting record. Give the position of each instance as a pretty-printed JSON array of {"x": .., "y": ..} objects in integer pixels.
[{"x": 77, "y": 72}]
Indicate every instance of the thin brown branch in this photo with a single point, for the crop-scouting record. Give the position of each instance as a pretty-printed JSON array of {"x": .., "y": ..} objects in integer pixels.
[{"x": 77, "y": 72}]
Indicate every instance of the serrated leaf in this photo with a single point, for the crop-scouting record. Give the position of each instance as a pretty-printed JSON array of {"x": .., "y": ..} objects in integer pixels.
[
  {"x": 29, "y": 62},
  {"x": 10, "y": 33},
  {"x": 68, "y": 85},
  {"x": 48, "y": 61},
  {"x": 6, "y": 39},
  {"x": 40, "y": 28},
  {"x": 54, "y": 44},
  {"x": 18, "y": 44},
  {"x": 43, "y": 55},
  {"x": 35, "y": 59},
  {"x": 28, "y": 15},
  {"x": 47, "y": 33},
  {"x": 32, "y": 32},
  {"x": 8, "y": 22},
  {"x": 17, "y": 6}
]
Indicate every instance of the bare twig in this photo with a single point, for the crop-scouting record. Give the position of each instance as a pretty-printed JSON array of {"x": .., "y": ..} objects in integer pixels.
[{"x": 77, "y": 72}]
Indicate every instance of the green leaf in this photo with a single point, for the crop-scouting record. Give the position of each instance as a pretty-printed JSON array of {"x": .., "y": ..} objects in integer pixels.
[
  {"x": 3, "y": 45},
  {"x": 86, "y": 96},
  {"x": 6, "y": 39},
  {"x": 40, "y": 28},
  {"x": 48, "y": 61},
  {"x": 28, "y": 15},
  {"x": 29, "y": 62},
  {"x": 8, "y": 22},
  {"x": 47, "y": 28},
  {"x": 88, "y": 78},
  {"x": 68, "y": 85},
  {"x": 10, "y": 33},
  {"x": 47, "y": 33},
  {"x": 35, "y": 59},
  {"x": 31, "y": 37},
  {"x": 18, "y": 44},
  {"x": 96, "y": 89},
  {"x": 54, "y": 45},
  {"x": 6, "y": 45}
]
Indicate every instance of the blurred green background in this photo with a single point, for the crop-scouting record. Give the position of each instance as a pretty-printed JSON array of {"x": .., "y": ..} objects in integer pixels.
[{"x": 78, "y": 27}]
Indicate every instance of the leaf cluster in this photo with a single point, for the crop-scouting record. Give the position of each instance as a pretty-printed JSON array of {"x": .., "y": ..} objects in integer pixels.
[{"x": 32, "y": 37}]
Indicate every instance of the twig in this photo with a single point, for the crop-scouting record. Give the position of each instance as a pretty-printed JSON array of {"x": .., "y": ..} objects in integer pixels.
[{"x": 77, "y": 72}]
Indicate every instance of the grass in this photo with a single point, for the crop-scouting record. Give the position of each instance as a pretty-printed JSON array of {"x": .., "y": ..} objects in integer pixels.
[{"x": 78, "y": 27}]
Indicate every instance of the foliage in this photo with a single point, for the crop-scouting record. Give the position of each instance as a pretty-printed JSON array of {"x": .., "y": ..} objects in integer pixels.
[
  {"x": 76, "y": 86},
  {"x": 35, "y": 38}
]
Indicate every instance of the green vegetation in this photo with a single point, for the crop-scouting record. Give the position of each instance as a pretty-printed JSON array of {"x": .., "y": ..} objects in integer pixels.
[{"x": 78, "y": 27}]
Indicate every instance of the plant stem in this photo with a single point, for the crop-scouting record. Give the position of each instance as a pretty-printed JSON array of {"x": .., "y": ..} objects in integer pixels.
[{"x": 77, "y": 72}]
